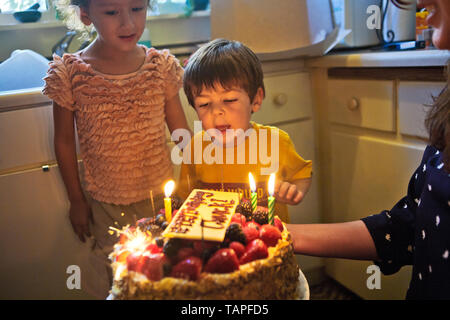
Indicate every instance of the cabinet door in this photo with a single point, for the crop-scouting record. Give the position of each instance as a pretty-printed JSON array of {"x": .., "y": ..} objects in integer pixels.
[
  {"x": 288, "y": 97},
  {"x": 37, "y": 242},
  {"x": 308, "y": 211},
  {"x": 26, "y": 137},
  {"x": 302, "y": 135},
  {"x": 414, "y": 99},
  {"x": 362, "y": 103},
  {"x": 368, "y": 175}
]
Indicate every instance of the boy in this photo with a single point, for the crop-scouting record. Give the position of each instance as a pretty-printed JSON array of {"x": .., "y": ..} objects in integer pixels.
[{"x": 223, "y": 81}]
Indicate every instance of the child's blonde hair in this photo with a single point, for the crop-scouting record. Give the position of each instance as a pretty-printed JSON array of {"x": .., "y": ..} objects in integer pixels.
[{"x": 69, "y": 11}]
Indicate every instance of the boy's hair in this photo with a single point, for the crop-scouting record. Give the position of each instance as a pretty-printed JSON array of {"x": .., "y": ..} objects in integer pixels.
[
  {"x": 225, "y": 62},
  {"x": 437, "y": 122}
]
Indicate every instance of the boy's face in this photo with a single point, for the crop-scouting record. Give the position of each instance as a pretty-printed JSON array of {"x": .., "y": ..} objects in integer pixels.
[{"x": 222, "y": 109}]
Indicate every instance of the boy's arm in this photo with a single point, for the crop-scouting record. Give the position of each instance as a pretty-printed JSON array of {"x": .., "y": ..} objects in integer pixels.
[
  {"x": 295, "y": 178},
  {"x": 65, "y": 150},
  {"x": 349, "y": 240}
]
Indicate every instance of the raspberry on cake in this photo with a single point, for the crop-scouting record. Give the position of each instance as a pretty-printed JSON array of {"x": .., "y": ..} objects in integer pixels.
[{"x": 231, "y": 256}]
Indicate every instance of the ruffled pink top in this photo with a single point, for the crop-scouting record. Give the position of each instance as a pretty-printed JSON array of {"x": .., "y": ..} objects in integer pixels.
[{"x": 120, "y": 123}]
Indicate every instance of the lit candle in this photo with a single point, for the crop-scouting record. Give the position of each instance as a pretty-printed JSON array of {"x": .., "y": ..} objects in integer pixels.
[
  {"x": 168, "y": 188},
  {"x": 254, "y": 196},
  {"x": 271, "y": 199}
]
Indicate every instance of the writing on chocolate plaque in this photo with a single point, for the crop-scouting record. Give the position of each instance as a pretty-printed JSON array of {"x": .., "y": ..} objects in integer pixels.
[{"x": 204, "y": 215}]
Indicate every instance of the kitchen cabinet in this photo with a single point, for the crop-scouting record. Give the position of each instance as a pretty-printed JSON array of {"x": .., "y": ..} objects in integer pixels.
[
  {"x": 36, "y": 239},
  {"x": 371, "y": 139},
  {"x": 288, "y": 106}
]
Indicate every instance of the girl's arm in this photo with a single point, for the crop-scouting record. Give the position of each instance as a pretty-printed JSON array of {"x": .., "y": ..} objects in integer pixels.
[
  {"x": 175, "y": 117},
  {"x": 349, "y": 240},
  {"x": 65, "y": 150}
]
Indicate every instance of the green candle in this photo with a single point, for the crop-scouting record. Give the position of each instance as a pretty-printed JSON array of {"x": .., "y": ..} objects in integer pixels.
[{"x": 254, "y": 196}]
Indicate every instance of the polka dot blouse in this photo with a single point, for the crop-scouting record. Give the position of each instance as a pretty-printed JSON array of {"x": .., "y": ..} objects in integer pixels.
[{"x": 416, "y": 231}]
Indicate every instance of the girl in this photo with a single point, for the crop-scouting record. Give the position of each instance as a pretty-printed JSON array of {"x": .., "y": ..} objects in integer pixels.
[
  {"x": 416, "y": 231},
  {"x": 120, "y": 95}
]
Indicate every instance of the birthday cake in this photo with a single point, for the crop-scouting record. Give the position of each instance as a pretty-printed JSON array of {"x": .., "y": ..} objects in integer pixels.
[{"x": 215, "y": 247}]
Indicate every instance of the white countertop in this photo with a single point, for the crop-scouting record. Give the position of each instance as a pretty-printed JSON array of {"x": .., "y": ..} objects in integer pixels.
[
  {"x": 22, "y": 99},
  {"x": 415, "y": 58}
]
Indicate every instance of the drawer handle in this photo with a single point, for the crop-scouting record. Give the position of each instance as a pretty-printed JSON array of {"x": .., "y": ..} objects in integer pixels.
[
  {"x": 280, "y": 99},
  {"x": 45, "y": 168},
  {"x": 353, "y": 104}
]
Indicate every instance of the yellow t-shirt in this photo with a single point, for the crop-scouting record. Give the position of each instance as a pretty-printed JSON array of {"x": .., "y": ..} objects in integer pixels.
[{"x": 209, "y": 166}]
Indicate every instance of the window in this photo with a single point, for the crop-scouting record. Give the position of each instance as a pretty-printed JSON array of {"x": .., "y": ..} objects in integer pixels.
[
  {"x": 9, "y": 6},
  {"x": 162, "y": 6}
]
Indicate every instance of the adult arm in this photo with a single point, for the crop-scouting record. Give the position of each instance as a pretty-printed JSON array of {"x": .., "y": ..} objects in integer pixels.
[{"x": 349, "y": 240}]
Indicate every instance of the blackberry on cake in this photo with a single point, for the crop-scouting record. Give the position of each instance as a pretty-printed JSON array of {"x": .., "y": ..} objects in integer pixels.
[
  {"x": 261, "y": 215},
  {"x": 235, "y": 233},
  {"x": 160, "y": 217},
  {"x": 159, "y": 241},
  {"x": 172, "y": 246},
  {"x": 245, "y": 208}
]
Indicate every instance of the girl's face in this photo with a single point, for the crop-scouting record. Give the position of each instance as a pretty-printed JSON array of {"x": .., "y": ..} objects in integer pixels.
[{"x": 119, "y": 23}]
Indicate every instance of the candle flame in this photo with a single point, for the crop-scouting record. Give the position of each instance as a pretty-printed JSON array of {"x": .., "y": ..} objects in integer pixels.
[
  {"x": 271, "y": 186},
  {"x": 252, "y": 182},
  {"x": 168, "y": 188}
]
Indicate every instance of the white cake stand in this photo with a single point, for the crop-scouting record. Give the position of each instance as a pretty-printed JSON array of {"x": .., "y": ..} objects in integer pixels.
[{"x": 303, "y": 287}]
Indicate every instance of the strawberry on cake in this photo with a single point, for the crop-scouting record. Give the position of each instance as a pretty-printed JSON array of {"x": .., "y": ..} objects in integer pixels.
[{"x": 214, "y": 248}]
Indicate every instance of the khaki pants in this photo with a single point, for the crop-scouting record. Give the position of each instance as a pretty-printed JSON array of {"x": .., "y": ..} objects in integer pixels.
[{"x": 97, "y": 280}]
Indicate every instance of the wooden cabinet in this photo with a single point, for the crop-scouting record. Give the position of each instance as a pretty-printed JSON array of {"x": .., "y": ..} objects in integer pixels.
[
  {"x": 414, "y": 98},
  {"x": 37, "y": 242},
  {"x": 362, "y": 103},
  {"x": 288, "y": 98},
  {"x": 371, "y": 137},
  {"x": 288, "y": 106}
]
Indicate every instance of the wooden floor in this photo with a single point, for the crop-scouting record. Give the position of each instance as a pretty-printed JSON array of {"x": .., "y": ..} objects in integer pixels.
[{"x": 329, "y": 289}]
